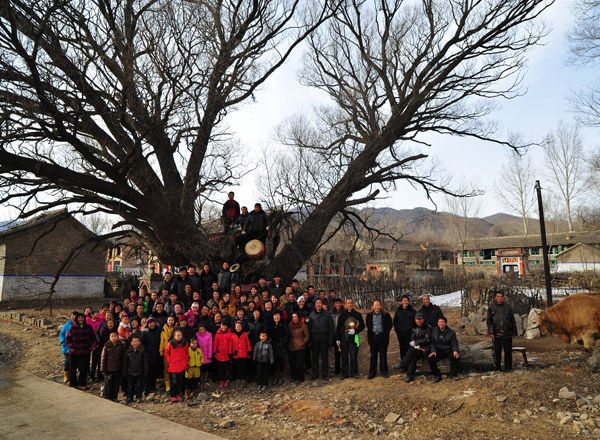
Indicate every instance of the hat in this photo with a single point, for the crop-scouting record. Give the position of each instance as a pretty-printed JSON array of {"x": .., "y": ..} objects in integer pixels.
[
  {"x": 183, "y": 318},
  {"x": 195, "y": 304},
  {"x": 149, "y": 320},
  {"x": 122, "y": 314},
  {"x": 419, "y": 316},
  {"x": 404, "y": 296},
  {"x": 301, "y": 297}
]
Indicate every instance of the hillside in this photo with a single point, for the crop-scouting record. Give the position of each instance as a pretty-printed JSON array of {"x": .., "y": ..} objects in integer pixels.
[{"x": 424, "y": 223}]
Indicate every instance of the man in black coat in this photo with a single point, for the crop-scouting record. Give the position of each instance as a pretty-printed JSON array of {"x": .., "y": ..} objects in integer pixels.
[
  {"x": 349, "y": 325},
  {"x": 443, "y": 345},
  {"x": 257, "y": 224},
  {"x": 166, "y": 284},
  {"x": 404, "y": 321},
  {"x": 276, "y": 288},
  {"x": 151, "y": 343},
  {"x": 501, "y": 328},
  {"x": 335, "y": 311},
  {"x": 225, "y": 278},
  {"x": 320, "y": 326},
  {"x": 194, "y": 278},
  {"x": 135, "y": 366},
  {"x": 159, "y": 315},
  {"x": 419, "y": 346},
  {"x": 180, "y": 282},
  {"x": 207, "y": 277},
  {"x": 379, "y": 325},
  {"x": 430, "y": 311}
]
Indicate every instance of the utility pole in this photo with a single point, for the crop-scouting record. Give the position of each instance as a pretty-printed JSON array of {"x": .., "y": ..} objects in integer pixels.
[{"x": 544, "y": 244}]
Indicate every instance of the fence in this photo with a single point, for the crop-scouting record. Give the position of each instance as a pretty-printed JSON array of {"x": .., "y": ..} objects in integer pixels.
[
  {"x": 522, "y": 293},
  {"x": 365, "y": 291}
]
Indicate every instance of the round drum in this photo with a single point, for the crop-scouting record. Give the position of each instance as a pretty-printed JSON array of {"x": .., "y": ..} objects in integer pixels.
[{"x": 255, "y": 249}]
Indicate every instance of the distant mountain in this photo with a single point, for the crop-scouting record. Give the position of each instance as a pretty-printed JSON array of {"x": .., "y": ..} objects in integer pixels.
[
  {"x": 422, "y": 224},
  {"x": 500, "y": 217}
]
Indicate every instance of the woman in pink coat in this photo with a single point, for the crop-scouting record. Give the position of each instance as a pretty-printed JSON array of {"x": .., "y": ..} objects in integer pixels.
[{"x": 205, "y": 344}]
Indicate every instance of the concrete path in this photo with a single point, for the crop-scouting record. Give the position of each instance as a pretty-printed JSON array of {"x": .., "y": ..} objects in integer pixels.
[{"x": 35, "y": 408}]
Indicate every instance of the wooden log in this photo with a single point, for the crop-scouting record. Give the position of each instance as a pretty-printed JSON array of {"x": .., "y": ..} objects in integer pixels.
[{"x": 477, "y": 356}]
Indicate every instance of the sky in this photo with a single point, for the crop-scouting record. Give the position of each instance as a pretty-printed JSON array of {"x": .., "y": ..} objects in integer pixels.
[{"x": 548, "y": 84}]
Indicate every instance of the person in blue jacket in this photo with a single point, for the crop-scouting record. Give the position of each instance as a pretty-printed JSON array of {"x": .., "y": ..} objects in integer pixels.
[{"x": 65, "y": 348}]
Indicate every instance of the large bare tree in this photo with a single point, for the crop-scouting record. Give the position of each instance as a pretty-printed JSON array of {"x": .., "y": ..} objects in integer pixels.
[
  {"x": 395, "y": 71},
  {"x": 121, "y": 106}
]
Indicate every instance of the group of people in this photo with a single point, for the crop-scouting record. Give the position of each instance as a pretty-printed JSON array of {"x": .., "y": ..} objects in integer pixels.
[
  {"x": 244, "y": 225},
  {"x": 231, "y": 337}
]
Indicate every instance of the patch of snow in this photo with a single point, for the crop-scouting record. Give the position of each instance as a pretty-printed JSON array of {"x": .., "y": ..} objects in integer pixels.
[
  {"x": 454, "y": 299},
  {"x": 448, "y": 300}
]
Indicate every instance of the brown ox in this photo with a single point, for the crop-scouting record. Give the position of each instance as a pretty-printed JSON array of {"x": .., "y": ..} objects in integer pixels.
[{"x": 575, "y": 318}]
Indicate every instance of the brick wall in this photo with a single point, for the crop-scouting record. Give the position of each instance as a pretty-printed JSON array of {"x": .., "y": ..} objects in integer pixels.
[
  {"x": 34, "y": 255},
  {"x": 24, "y": 287}
]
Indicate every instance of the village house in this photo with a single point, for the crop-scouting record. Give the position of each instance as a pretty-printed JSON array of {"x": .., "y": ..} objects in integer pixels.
[
  {"x": 573, "y": 251},
  {"x": 380, "y": 257},
  {"x": 33, "y": 252}
]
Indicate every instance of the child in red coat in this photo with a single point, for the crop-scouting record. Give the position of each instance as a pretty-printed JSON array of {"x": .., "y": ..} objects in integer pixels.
[
  {"x": 241, "y": 353},
  {"x": 223, "y": 354},
  {"x": 177, "y": 356}
]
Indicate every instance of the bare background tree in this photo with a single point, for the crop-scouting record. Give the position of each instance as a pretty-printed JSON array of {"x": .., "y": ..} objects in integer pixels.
[
  {"x": 514, "y": 187},
  {"x": 566, "y": 164},
  {"x": 554, "y": 212},
  {"x": 584, "y": 39},
  {"x": 463, "y": 209},
  {"x": 121, "y": 107}
]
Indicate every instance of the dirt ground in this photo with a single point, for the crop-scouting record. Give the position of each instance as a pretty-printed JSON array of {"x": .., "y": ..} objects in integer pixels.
[{"x": 481, "y": 405}]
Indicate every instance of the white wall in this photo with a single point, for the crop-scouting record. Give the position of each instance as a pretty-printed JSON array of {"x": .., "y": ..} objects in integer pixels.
[
  {"x": 38, "y": 286},
  {"x": 577, "y": 266}
]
